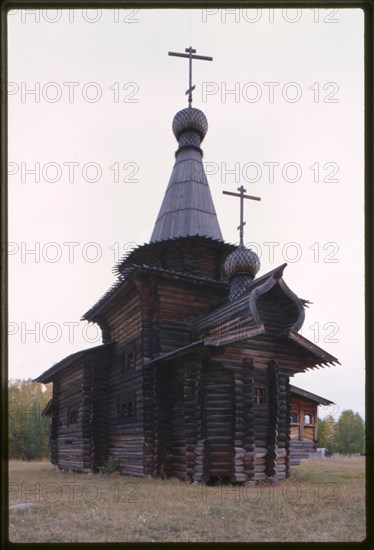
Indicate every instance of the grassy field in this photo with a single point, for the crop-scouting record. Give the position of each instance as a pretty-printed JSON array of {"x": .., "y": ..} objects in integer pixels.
[{"x": 322, "y": 501}]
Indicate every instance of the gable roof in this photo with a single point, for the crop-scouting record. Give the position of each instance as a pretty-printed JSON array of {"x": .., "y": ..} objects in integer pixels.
[
  {"x": 70, "y": 360},
  {"x": 308, "y": 395}
]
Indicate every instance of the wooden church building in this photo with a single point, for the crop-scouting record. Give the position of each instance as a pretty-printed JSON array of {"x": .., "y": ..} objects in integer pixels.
[{"x": 192, "y": 379}]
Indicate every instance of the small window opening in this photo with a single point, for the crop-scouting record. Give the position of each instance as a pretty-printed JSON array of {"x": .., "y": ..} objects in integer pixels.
[
  {"x": 127, "y": 410},
  {"x": 128, "y": 360},
  {"x": 72, "y": 416},
  {"x": 180, "y": 392},
  {"x": 260, "y": 396}
]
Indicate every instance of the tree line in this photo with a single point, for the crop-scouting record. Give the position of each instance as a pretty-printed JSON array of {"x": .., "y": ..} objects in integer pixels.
[
  {"x": 344, "y": 436},
  {"x": 28, "y": 429}
]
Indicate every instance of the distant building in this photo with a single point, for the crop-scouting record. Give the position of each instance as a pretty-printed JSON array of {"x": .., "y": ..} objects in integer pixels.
[{"x": 304, "y": 424}]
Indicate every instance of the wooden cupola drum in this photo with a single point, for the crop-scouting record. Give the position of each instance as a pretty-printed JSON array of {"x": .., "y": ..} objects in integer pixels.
[{"x": 192, "y": 379}]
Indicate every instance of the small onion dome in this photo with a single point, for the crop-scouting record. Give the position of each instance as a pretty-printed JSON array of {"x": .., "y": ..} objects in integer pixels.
[
  {"x": 190, "y": 120},
  {"x": 242, "y": 262}
]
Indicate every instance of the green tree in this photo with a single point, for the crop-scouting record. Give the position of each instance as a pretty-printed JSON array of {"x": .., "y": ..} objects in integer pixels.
[
  {"x": 350, "y": 433},
  {"x": 326, "y": 434},
  {"x": 28, "y": 429}
]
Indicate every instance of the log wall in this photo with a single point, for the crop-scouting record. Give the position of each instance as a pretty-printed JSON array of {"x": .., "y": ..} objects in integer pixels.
[
  {"x": 194, "y": 419},
  {"x": 179, "y": 305},
  {"x": 220, "y": 431},
  {"x": 96, "y": 405},
  {"x": 249, "y": 439},
  {"x": 54, "y": 422},
  {"x": 70, "y": 448},
  {"x": 124, "y": 379},
  {"x": 273, "y": 420},
  {"x": 218, "y": 421}
]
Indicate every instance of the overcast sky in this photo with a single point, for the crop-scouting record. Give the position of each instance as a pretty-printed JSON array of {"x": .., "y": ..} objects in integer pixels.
[{"x": 92, "y": 98}]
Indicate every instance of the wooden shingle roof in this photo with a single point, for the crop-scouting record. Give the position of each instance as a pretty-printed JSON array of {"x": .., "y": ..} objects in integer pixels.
[
  {"x": 299, "y": 392},
  {"x": 48, "y": 375},
  {"x": 187, "y": 208}
]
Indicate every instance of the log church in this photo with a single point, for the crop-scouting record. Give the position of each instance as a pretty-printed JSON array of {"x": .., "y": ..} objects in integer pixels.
[{"x": 192, "y": 379}]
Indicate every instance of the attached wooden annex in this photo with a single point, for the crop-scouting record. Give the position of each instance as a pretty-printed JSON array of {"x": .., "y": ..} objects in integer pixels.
[
  {"x": 304, "y": 423},
  {"x": 193, "y": 376}
]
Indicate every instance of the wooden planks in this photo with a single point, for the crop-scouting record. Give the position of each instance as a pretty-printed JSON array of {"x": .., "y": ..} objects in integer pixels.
[{"x": 218, "y": 419}]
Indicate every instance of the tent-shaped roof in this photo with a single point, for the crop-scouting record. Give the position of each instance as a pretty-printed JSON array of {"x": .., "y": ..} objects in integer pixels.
[{"x": 187, "y": 208}]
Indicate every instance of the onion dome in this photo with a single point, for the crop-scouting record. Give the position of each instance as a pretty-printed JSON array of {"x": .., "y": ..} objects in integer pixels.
[
  {"x": 241, "y": 267},
  {"x": 190, "y": 127},
  {"x": 242, "y": 262}
]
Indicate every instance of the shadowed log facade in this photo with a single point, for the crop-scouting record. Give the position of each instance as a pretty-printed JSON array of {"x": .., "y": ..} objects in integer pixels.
[{"x": 192, "y": 380}]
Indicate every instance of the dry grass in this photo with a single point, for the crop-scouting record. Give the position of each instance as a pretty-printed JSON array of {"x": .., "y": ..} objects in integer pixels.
[{"x": 323, "y": 501}]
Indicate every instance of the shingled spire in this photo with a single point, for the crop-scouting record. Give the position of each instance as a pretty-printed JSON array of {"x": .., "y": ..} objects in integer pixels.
[{"x": 187, "y": 208}]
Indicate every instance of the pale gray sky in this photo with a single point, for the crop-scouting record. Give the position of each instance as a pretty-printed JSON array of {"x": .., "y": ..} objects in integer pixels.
[{"x": 97, "y": 129}]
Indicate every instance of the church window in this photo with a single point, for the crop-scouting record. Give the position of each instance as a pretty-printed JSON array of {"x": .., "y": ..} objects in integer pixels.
[
  {"x": 294, "y": 418},
  {"x": 72, "y": 416},
  {"x": 129, "y": 359},
  {"x": 180, "y": 392},
  {"x": 260, "y": 396},
  {"x": 308, "y": 419},
  {"x": 126, "y": 409}
]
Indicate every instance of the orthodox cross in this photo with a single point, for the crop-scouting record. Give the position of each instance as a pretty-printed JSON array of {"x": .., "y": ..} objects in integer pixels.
[
  {"x": 242, "y": 197},
  {"x": 190, "y": 56}
]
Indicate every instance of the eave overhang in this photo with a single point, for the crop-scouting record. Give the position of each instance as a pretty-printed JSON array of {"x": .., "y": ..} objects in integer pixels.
[
  {"x": 215, "y": 344},
  {"x": 311, "y": 396},
  {"x": 48, "y": 375},
  {"x": 137, "y": 253},
  {"x": 93, "y": 314},
  {"x": 183, "y": 352},
  {"x": 325, "y": 358}
]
